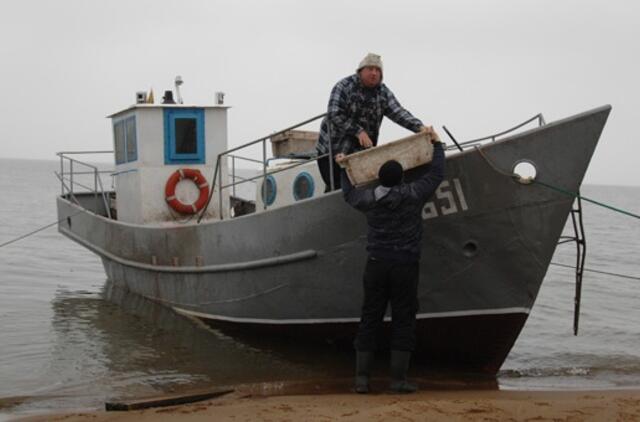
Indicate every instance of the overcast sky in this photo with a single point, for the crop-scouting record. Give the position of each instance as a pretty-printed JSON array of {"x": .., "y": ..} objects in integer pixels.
[{"x": 476, "y": 66}]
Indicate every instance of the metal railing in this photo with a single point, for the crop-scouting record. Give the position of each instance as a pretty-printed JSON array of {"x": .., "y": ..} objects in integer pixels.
[
  {"x": 467, "y": 144},
  {"x": 217, "y": 175},
  {"x": 72, "y": 174}
]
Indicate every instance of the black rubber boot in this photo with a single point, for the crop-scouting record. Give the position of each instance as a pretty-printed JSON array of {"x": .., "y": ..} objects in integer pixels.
[
  {"x": 399, "y": 367},
  {"x": 364, "y": 361}
]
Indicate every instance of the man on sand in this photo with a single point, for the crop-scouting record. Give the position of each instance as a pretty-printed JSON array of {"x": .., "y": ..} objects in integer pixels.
[
  {"x": 354, "y": 115},
  {"x": 394, "y": 218}
]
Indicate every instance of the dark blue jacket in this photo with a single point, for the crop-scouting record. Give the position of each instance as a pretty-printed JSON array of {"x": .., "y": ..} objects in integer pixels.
[{"x": 394, "y": 215}]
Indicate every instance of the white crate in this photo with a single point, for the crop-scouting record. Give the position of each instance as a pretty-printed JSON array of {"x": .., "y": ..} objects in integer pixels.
[
  {"x": 413, "y": 151},
  {"x": 293, "y": 142}
]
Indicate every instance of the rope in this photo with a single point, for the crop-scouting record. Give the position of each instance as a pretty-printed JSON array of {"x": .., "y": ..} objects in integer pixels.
[
  {"x": 547, "y": 185},
  {"x": 597, "y": 271},
  {"x": 576, "y": 195},
  {"x": 37, "y": 230}
]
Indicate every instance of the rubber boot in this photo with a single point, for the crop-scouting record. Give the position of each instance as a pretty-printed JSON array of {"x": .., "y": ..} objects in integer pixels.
[
  {"x": 399, "y": 367},
  {"x": 364, "y": 361}
]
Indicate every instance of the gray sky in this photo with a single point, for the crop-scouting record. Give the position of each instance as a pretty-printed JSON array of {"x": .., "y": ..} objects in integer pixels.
[{"x": 476, "y": 66}]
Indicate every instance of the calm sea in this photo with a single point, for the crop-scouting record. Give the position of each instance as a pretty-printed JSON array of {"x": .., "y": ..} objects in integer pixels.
[{"x": 63, "y": 346}]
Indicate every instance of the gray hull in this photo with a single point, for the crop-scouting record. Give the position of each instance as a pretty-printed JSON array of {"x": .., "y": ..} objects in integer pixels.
[{"x": 296, "y": 270}]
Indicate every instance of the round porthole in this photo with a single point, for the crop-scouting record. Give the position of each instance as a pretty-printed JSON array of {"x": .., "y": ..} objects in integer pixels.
[
  {"x": 269, "y": 190},
  {"x": 303, "y": 186},
  {"x": 525, "y": 171}
]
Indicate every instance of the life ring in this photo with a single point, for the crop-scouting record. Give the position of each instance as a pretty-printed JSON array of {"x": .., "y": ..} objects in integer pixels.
[{"x": 170, "y": 191}]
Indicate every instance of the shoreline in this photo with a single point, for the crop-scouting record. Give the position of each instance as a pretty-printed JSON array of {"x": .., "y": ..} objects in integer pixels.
[{"x": 281, "y": 403}]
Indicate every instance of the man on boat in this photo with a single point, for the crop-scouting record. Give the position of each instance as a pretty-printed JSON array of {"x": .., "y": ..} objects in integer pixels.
[
  {"x": 394, "y": 218},
  {"x": 356, "y": 107}
]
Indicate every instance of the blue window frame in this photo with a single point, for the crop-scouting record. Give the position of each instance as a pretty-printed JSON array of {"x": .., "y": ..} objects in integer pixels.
[
  {"x": 303, "y": 186},
  {"x": 184, "y": 136},
  {"x": 269, "y": 190},
  {"x": 124, "y": 139}
]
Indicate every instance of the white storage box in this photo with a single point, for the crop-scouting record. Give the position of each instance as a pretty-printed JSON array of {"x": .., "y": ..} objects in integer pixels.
[{"x": 293, "y": 142}]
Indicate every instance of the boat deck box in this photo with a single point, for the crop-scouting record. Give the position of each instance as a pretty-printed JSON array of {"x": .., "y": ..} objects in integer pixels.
[
  {"x": 362, "y": 166},
  {"x": 294, "y": 143}
]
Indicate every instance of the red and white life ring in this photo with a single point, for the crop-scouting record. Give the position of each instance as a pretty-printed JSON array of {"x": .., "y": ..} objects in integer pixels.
[{"x": 170, "y": 191}]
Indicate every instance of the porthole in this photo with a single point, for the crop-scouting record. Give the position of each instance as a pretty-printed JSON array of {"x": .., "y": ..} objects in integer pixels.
[
  {"x": 269, "y": 193},
  {"x": 525, "y": 171},
  {"x": 303, "y": 186}
]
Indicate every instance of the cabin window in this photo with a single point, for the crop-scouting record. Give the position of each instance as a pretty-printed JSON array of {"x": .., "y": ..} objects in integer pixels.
[
  {"x": 131, "y": 140},
  {"x": 125, "y": 142},
  {"x": 184, "y": 136},
  {"x": 303, "y": 186}
]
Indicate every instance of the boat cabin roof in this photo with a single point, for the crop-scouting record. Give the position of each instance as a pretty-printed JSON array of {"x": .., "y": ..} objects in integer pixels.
[{"x": 143, "y": 105}]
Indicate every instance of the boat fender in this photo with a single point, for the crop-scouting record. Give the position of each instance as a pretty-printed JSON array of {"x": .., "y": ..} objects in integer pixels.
[{"x": 170, "y": 190}]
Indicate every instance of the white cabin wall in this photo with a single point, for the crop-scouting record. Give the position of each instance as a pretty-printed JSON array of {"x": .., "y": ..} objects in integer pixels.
[
  {"x": 127, "y": 185},
  {"x": 150, "y": 133},
  {"x": 217, "y": 142},
  {"x": 284, "y": 185}
]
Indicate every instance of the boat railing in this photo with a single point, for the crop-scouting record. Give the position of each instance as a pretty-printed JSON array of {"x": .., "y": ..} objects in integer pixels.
[
  {"x": 72, "y": 169},
  {"x": 492, "y": 138},
  {"x": 302, "y": 160},
  {"x": 264, "y": 163}
]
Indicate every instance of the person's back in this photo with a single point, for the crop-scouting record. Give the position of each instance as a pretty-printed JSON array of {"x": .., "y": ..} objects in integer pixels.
[
  {"x": 394, "y": 213},
  {"x": 394, "y": 219}
]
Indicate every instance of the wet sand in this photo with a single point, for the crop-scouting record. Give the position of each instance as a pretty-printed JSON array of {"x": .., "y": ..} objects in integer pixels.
[{"x": 439, "y": 405}]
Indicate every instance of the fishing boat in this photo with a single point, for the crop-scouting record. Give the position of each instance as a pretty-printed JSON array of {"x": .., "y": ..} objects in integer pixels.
[{"x": 288, "y": 264}]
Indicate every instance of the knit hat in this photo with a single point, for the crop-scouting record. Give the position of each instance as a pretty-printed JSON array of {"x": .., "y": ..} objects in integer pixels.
[
  {"x": 371, "y": 60},
  {"x": 390, "y": 173}
]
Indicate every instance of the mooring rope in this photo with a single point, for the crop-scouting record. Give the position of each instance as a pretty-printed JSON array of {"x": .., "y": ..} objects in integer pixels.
[
  {"x": 577, "y": 195},
  {"x": 519, "y": 178},
  {"x": 38, "y": 230},
  {"x": 597, "y": 271}
]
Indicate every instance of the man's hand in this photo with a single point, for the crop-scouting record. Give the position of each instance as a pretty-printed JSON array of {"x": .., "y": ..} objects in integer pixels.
[
  {"x": 431, "y": 131},
  {"x": 340, "y": 157},
  {"x": 365, "y": 141}
]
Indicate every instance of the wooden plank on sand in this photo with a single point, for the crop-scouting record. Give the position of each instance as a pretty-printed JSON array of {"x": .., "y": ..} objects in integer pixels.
[{"x": 163, "y": 401}]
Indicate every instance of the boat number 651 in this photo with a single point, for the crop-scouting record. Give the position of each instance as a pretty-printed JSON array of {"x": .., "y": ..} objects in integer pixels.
[{"x": 448, "y": 200}]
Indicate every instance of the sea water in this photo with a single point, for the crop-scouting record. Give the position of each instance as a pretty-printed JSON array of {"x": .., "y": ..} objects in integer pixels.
[{"x": 62, "y": 346}]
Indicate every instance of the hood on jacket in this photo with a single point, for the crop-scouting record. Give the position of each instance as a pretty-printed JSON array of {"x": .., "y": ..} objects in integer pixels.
[{"x": 388, "y": 197}]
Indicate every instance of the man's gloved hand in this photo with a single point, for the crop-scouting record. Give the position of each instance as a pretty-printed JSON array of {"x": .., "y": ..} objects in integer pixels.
[{"x": 365, "y": 141}]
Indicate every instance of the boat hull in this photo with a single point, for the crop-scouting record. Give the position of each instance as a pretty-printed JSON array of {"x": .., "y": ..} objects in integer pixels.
[{"x": 296, "y": 271}]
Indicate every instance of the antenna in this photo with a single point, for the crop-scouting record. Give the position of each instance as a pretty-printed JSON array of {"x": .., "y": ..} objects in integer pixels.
[{"x": 178, "y": 82}]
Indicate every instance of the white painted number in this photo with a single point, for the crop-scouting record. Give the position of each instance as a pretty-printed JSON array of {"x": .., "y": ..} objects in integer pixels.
[
  {"x": 461, "y": 198},
  {"x": 441, "y": 193},
  {"x": 446, "y": 200},
  {"x": 429, "y": 211}
]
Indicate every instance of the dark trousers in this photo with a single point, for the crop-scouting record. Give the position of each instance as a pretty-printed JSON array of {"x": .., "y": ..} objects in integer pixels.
[
  {"x": 325, "y": 172},
  {"x": 387, "y": 281}
]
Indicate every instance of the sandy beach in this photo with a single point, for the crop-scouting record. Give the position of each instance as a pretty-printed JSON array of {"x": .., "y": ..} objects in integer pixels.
[{"x": 466, "y": 405}]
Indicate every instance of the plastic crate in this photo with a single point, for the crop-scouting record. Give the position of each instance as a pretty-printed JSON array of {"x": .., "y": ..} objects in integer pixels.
[{"x": 413, "y": 151}]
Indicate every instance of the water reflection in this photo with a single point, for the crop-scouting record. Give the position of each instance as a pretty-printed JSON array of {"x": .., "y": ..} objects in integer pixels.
[{"x": 118, "y": 345}]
